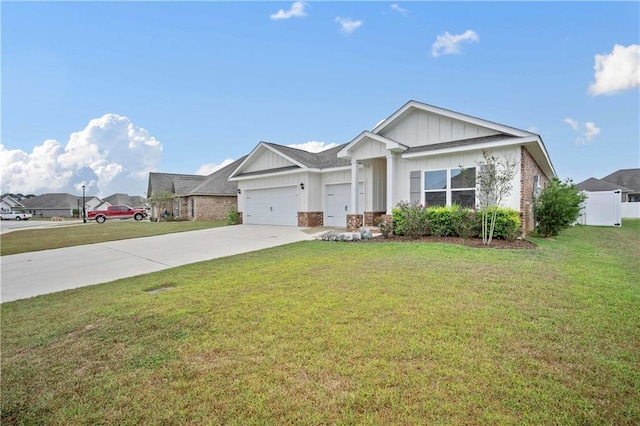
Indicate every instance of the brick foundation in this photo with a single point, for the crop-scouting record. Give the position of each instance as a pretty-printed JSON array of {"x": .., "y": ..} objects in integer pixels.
[
  {"x": 528, "y": 169},
  {"x": 310, "y": 219},
  {"x": 239, "y": 218},
  {"x": 354, "y": 221},
  {"x": 370, "y": 218}
]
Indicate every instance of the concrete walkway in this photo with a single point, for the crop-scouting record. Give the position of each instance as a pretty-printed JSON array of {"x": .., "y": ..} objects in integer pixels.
[{"x": 31, "y": 274}]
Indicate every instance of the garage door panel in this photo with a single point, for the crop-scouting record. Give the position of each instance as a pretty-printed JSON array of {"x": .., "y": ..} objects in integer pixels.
[
  {"x": 272, "y": 206},
  {"x": 338, "y": 203}
]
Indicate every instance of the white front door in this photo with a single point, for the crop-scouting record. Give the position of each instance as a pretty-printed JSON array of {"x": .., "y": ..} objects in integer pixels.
[
  {"x": 338, "y": 203},
  {"x": 271, "y": 206}
]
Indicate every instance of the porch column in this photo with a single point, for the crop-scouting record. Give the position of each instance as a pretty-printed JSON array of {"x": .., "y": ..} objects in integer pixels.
[
  {"x": 391, "y": 170},
  {"x": 354, "y": 187}
]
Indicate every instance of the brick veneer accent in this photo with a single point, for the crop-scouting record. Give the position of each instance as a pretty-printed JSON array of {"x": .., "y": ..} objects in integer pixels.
[
  {"x": 310, "y": 219},
  {"x": 239, "y": 218},
  {"x": 354, "y": 221},
  {"x": 370, "y": 218},
  {"x": 211, "y": 207},
  {"x": 528, "y": 169}
]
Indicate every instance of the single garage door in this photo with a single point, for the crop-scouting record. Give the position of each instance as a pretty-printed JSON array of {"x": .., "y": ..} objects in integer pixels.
[
  {"x": 272, "y": 206},
  {"x": 338, "y": 204}
]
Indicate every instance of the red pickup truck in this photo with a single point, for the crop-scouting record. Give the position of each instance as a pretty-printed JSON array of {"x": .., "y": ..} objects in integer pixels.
[{"x": 117, "y": 212}]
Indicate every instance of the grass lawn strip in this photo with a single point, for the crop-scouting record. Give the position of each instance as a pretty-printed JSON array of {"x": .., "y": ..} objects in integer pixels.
[
  {"x": 27, "y": 240},
  {"x": 318, "y": 332}
]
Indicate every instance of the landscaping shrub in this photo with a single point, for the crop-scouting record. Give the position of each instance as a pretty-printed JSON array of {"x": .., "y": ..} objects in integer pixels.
[
  {"x": 507, "y": 226},
  {"x": 440, "y": 220},
  {"x": 415, "y": 221},
  {"x": 557, "y": 207},
  {"x": 410, "y": 220},
  {"x": 233, "y": 216},
  {"x": 464, "y": 223},
  {"x": 385, "y": 227}
]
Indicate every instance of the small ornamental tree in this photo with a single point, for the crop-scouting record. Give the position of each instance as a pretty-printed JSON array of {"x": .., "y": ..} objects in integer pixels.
[
  {"x": 494, "y": 181},
  {"x": 557, "y": 207},
  {"x": 163, "y": 201}
]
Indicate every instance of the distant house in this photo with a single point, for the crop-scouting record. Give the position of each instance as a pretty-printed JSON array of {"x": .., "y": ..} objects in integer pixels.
[
  {"x": 197, "y": 197},
  {"x": 9, "y": 204},
  {"x": 135, "y": 201},
  {"x": 49, "y": 205}
]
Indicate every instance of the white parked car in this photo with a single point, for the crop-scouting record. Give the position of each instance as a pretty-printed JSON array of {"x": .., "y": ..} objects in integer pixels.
[{"x": 14, "y": 215}]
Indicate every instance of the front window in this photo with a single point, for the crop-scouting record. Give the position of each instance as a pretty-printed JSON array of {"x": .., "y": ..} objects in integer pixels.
[{"x": 450, "y": 186}]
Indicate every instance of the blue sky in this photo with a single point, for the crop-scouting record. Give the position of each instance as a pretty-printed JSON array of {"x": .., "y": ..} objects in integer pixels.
[{"x": 102, "y": 93}]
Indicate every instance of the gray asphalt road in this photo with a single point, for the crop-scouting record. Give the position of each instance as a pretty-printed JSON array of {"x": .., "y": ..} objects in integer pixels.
[{"x": 31, "y": 274}]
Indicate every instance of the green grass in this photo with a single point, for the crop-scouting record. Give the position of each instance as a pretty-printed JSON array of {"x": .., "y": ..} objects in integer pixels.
[
  {"x": 28, "y": 240},
  {"x": 342, "y": 333}
]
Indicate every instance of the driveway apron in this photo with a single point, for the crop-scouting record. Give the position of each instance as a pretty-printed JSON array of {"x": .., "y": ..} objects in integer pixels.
[{"x": 35, "y": 273}]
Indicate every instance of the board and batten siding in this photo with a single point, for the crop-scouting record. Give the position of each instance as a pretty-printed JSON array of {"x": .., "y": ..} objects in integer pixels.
[
  {"x": 419, "y": 128},
  {"x": 369, "y": 149},
  {"x": 265, "y": 161},
  {"x": 453, "y": 161}
]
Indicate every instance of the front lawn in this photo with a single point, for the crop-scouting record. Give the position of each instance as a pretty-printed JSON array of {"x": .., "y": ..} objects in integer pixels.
[
  {"x": 342, "y": 333},
  {"x": 26, "y": 240}
]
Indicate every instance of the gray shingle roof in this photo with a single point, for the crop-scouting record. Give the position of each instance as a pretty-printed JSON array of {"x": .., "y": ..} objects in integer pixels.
[
  {"x": 217, "y": 183},
  {"x": 134, "y": 201},
  {"x": 53, "y": 201},
  {"x": 321, "y": 160},
  {"x": 595, "y": 185},
  {"x": 629, "y": 178},
  {"x": 459, "y": 143},
  {"x": 171, "y": 182}
]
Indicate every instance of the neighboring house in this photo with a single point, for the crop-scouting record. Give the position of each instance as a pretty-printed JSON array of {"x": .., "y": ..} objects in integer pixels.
[
  {"x": 135, "y": 201},
  {"x": 627, "y": 181},
  {"x": 417, "y": 155},
  {"x": 49, "y": 205},
  {"x": 9, "y": 204},
  {"x": 197, "y": 197}
]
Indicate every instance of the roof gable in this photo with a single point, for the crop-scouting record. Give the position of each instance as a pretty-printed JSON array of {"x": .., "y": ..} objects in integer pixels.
[
  {"x": 414, "y": 110},
  {"x": 264, "y": 160}
]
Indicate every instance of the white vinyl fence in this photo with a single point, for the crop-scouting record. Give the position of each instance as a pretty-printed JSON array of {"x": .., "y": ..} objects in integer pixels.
[
  {"x": 602, "y": 208},
  {"x": 631, "y": 210}
]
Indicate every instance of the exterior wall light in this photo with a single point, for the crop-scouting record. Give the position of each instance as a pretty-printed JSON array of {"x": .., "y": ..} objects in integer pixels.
[
  {"x": 301, "y": 185},
  {"x": 239, "y": 191}
]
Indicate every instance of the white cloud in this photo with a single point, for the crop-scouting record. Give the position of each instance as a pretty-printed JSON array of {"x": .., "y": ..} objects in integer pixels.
[
  {"x": 586, "y": 132},
  {"x": 573, "y": 123},
  {"x": 447, "y": 44},
  {"x": 296, "y": 11},
  {"x": 399, "y": 9},
  {"x": 617, "y": 71},
  {"x": 590, "y": 130},
  {"x": 313, "y": 146},
  {"x": 108, "y": 156},
  {"x": 348, "y": 25},
  {"x": 207, "y": 169}
]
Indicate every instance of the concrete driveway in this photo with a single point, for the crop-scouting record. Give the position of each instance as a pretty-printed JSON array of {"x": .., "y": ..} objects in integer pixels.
[{"x": 31, "y": 274}]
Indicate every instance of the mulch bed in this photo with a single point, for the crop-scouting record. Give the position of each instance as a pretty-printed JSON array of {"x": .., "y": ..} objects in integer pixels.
[{"x": 469, "y": 242}]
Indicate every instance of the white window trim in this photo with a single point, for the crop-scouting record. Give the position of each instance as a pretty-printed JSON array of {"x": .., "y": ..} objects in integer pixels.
[{"x": 448, "y": 190}]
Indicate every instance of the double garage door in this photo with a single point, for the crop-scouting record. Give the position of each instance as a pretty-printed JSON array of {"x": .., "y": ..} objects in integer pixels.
[
  {"x": 271, "y": 206},
  {"x": 279, "y": 206}
]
